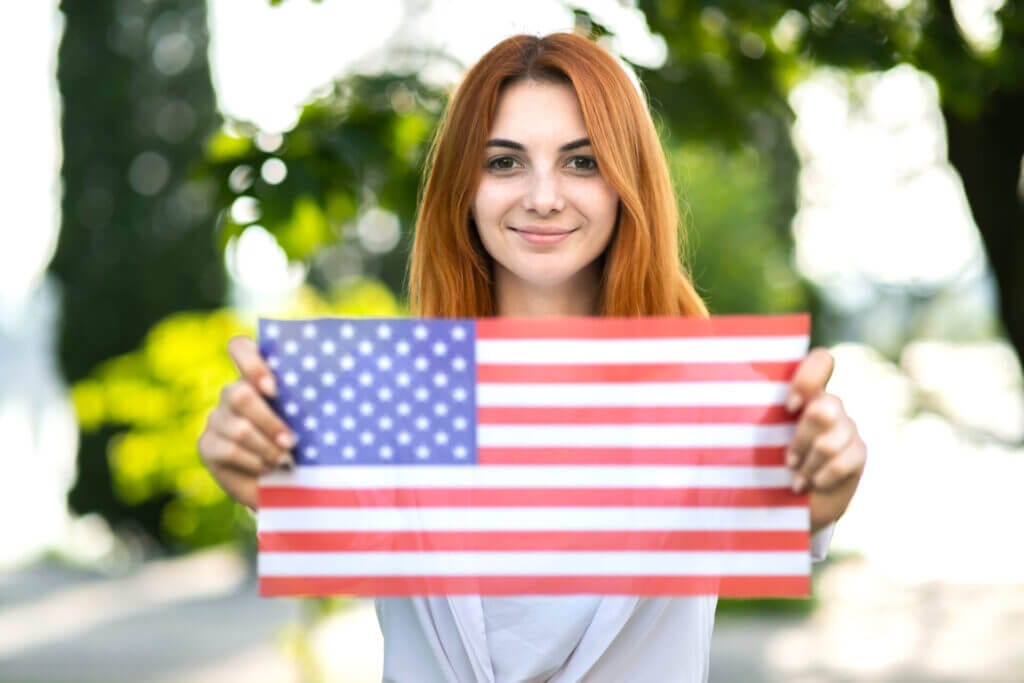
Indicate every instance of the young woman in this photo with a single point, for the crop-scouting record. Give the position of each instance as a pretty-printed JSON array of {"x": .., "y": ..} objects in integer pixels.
[{"x": 547, "y": 194}]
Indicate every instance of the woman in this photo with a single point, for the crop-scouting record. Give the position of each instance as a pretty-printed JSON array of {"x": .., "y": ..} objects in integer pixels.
[{"x": 547, "y": 194}]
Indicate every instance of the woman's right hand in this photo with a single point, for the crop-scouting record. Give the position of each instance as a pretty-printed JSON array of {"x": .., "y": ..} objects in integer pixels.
[{"x": 244, "y": 438}]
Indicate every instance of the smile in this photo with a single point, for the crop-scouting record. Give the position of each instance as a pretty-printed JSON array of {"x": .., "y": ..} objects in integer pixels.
[{"x": 542, "y": 236}]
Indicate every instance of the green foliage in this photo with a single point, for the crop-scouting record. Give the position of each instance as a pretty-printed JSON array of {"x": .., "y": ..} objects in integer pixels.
[{"x": 156, "y": 400}]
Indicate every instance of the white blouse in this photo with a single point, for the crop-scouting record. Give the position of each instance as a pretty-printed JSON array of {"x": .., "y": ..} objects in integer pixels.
[{"x": 563, "y": 639}]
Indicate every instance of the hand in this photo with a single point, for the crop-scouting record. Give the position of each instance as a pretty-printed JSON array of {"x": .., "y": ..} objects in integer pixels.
[
  {"x": 827, "y": 455},
  {"x": 244, "y": 438}
]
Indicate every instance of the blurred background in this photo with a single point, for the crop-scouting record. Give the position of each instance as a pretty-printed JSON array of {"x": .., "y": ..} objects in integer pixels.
[{"x": 176, "y": 167}]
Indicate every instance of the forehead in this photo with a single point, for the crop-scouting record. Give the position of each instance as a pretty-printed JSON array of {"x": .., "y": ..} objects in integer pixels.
[{"x": 537, "y": 111}]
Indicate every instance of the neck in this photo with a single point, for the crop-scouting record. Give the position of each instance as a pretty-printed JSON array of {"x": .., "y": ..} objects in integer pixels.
[{"x": 515, "y": 297}]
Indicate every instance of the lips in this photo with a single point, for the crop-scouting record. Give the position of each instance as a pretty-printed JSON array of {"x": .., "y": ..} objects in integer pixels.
[{"x": 542, "y": 235}]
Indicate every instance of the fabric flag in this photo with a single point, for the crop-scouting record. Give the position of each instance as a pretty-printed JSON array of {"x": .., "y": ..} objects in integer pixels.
[{"x": 535, "y": 456}]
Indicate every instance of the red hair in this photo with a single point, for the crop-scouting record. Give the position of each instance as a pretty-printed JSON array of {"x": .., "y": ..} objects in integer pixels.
[{"x": 450, "y": 274}]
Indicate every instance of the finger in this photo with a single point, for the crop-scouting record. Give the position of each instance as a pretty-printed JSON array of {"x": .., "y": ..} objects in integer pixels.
[
  {"x": 819, "y": 417},
  {"x": 850, "y": 462},
  {"x": 826, "y": 448},
  {"x": 244, "y": 433},
  {"x": 250, "y": 364},
  {"x": 243, "y": 400},
  {"x": 810, "y": 379},
  {"x": 219, "y": 453}
]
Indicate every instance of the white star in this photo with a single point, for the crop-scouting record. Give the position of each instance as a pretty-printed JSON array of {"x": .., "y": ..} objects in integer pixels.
[
  {"x": 440, "y": 410},
  {"x": 329, "y": 408},
  {"x": 384, "y": 332},
  {"x": 402, "y": 379},
  {"x": 440, "y": 379},
  {"x": 403, "y": 408},
  {"x": 386, "y": 452},
  {"x": 366, "y": 379},
  {"x": 384, "y": 394},
  {"x": 308, "y": 363},
  {"x": 273, "y": 362},
  {"x": 459, "y": 423},
  {"x": 422, "y": 423},
  {"x": 421, "y": 394},
  {"x": 309, "y": 393},
  {"x": 402, "y": 347},
  {"x": 347, "y": 331},
  {"x": 384, "y": 363},
  {"x": 348, "y": 452},
  {"x": 347, "y": 362},
  {"x": 422, "y": 452},
  {"x": 366, "y": 438},
  {"x": 309, "y": 452},
  {"x": 347, "y": 393},
  {"x": 459, "y": 394},
  {"x": 385, "y": 423},
  {"x": 309, "y": 330},
  {"x": 421, "y": 363},
  {"x": 291, "y": 408},
  {"x": 291, "y": 347},
  {"x": 327, "y": 379},
  {"x": 458, "y": 333},
  {"x": 404, "y": 438},
  {"x": 440, "y": 348},
  {"x": 348, "y": 423},
  {"x": 291, "y": 378},
  {"x": 366, "y": 347},
  {"x": 273, "y": 331},
  {"x": 459, "y": 363},
  {"x": 330, "y": 438},
  {"x": 366, "y": 408},
  {"x": 460, "y": 451},
  {"x": 310, "y": 423},
  {"x": 328, "y": 347},
  {"x": 440, "y": 438},
  {"x": 420, "y": 332}
]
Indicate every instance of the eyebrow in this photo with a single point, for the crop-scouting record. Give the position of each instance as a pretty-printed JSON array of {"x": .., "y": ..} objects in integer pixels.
[{"x": 511, "y": 144}]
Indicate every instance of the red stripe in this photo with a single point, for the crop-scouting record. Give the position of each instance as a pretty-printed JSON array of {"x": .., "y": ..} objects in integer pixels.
[
  {"x": 633, "y": 415},
  {"x": 524, "y": 541},
  {"x": 298, "y": 497},
  {"x": 729, "y": 586},
  {"x": 630, "y": 328},
  {"x": 767, "y": 456},
  {"x": 639, "y": 372}
]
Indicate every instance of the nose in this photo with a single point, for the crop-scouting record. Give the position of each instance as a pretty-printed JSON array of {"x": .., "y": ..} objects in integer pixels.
[{"x": 544, "y": 195}]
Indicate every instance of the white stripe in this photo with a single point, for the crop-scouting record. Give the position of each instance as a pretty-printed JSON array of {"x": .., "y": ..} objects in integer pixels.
[
  {"x": 632, "y": 394},
  {"x": 530, "y": 476},
  {"x": 534, "y": 519},
  {"x": 641, "y": 350},
  {"x": 634, "y": 435},
  {"x": 667, "y": 563}
]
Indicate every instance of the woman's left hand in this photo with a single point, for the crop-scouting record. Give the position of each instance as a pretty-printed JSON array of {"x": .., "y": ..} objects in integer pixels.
[{"x": 826, "y": 454}]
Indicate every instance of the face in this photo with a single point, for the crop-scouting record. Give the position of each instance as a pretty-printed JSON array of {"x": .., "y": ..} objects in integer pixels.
[{"x": 543, "y": 211}]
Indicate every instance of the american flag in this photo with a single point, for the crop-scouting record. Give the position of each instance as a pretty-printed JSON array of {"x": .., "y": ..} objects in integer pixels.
[{"x": 534, "y": 456}]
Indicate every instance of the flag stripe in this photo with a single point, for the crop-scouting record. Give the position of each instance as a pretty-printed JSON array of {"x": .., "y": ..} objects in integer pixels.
[
  {"x": 576, "y": 351},
  {"x": 635, "y": 372},
  {"x": 693, "y": 415},
  {"x": 735, "y": 586},
  {"x": 335, "y": 541},
  {"x": 520, "y": 563},
  {"x": 739, "y": 457},
  {"x": 532, "y": 519},
  {"x": 524, "y": 476},
  {"x": 638, "y": 394},
  {"x": 294, "y": 497},
  {"x": 634, "y": 435},
  {"x": 629, "y": 328}
]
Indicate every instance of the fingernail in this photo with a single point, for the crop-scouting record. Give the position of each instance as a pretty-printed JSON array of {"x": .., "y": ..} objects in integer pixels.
[
  {"x": 798, "y": 483},
  {"x": 268, "y": 386},
  {"x": 793, "y": 403},
  {"x": 286, "y": 463},
  {"x": 791, "y": 459},
  {"x": 286, "y": 440}
]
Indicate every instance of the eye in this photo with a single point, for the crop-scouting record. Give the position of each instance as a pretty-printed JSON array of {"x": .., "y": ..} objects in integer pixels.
[
  {"x": 583, "y": 163},
  {"x": 503, "y": 163}
]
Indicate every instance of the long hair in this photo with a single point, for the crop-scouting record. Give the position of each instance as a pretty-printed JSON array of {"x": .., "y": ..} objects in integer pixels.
[{"x": 450, "y": 274}]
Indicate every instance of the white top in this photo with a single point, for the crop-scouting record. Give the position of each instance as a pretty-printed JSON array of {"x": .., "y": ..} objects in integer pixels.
[{"x": 520, "y": 639}]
